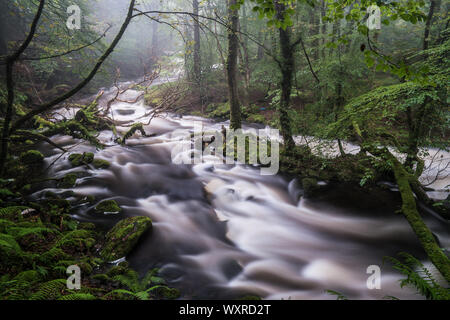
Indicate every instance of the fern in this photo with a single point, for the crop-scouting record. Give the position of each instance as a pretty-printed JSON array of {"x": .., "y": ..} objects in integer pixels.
[
  {"x": 50, "y": 290},
  {"x": 339, "y": 295},
  {"x": 419, "y": 277},
  {"x": 78, "y": 296}
]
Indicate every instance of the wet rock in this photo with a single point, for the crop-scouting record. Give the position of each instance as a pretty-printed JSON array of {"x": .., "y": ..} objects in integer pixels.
[
  {"x": 123, "y": 237},
  {"x": 101, "y": 164},
  {"x": 31, "y": 158},
  {"x": 69, "y": 181},
  {"x": 310, "y": 186},
  {"x": 125, "y": 112},
  {"x": 77, "y": 159},
  {"x": 108, "y": 206}
]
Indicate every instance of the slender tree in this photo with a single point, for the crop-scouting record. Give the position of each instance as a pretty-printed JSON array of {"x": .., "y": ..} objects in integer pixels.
[
  {"x": 287, "y": 70},
  {"x": 8, "y": 129},
  {"x": 232, "y": 66},
  {"x": 197, "y": 57},
  {"x": 426, "y": 39}
]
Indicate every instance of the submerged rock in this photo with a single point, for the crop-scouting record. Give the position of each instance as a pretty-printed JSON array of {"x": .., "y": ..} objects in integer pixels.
[
  {"x": 123, "y": 237},
  {"x": 101, "y": 164},
  {"x": 77, "y": 159},
  {"x": 69, "y": 181}
]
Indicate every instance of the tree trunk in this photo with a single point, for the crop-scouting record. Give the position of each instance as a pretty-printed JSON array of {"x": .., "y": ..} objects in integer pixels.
[
  {"x": 426, "y": 38},
  {"x": 314, "y": 32},
  {"x": 197, "y": 62},
  {"x": 287, "y": 69},
  {"x": 262, "y": 40},
  {"x": 323, "y": 30},
  {"x": 232, "y": 66},
  {"x": 246, "y": 57},
  {"x": 409, "y": 208}
]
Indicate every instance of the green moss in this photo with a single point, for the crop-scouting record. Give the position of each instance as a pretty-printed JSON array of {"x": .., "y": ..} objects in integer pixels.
[
  {"x": 169, "y": 293},
  {"x": 77, "y": 159},
  {"x": 31, "y": 158},
  {"x": 120, "y": 295},
  {"x": 86, "y": 226},
  {"x": 117, "y": 270},
  {"x": 69, "y": 181},
  {"x": 102, "y": 278},
  {"x": 122, "y": 238},
  {"x": 108, "y": 206},
  {"x": 78, "y": 296},
  {"x": 101, "y": 164},
  {"x": 76, "y": 241}
]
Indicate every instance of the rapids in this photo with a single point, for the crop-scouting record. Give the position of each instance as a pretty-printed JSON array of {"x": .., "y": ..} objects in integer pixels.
[{"x": 223, "y": 231}]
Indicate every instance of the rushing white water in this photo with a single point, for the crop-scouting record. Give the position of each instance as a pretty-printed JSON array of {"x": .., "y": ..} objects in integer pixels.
[{"x": 224, "y": 230}]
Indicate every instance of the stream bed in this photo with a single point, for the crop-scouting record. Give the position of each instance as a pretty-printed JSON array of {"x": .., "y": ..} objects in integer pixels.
[{"x": 224, "y": 231}]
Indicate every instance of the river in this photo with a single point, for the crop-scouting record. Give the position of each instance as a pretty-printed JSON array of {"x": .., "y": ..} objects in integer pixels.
[{"x": 222, "y": 231}]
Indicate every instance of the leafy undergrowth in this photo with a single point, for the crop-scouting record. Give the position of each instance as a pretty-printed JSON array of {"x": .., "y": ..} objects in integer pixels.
[{"x": 40, "y": 241}]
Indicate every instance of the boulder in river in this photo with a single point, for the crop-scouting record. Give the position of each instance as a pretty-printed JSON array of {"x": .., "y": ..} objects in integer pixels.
[
  {"x": 108, "y": 206},
  {"x": 124, "y": 236}
]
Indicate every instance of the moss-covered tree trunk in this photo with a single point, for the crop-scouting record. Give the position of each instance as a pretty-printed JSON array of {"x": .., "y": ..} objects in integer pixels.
[
  {"x": 409, "y": 208},
  {"x": 233, "y": 47},
  {"x": 406, "y": 183}
]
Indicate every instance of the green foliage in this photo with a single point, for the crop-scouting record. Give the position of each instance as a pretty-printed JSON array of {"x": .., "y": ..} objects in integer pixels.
[
  {"x": 101, "y": 164},
  {"x": 32, "y": 158},
  {"x": 108, "y": 206},
  {"x": 419, "y": 277},
  {"x": 77, "y": 159},
  {"x": 339, "y": 295},
  {"x": 138, "y": 127},
  {"x": 122, "y": 238},
  {"x": 51, "y": 290},
  {"x": 78, "y": 296}
]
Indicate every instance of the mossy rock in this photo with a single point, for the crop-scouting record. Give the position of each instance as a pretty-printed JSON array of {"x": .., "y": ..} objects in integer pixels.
[
  {"x": 123, "y": 237},
  {"x": 31, "y": 158},
  {"x": 10, "y": 251},
  {"x": 86, "y": 226},
  {"x": 120, "y": 295},
  {"x": 117, "y": 270},
  {"x": 101, "y": 164},
  {"x": 108, "y": 206},
  {"x": 77, "y": 159},
  {"x": 69, "y": 181},
  {"x": 169, "y": 293},
  {"x": 51, "y": 290},
  {"x": 76, "y": 241}
]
